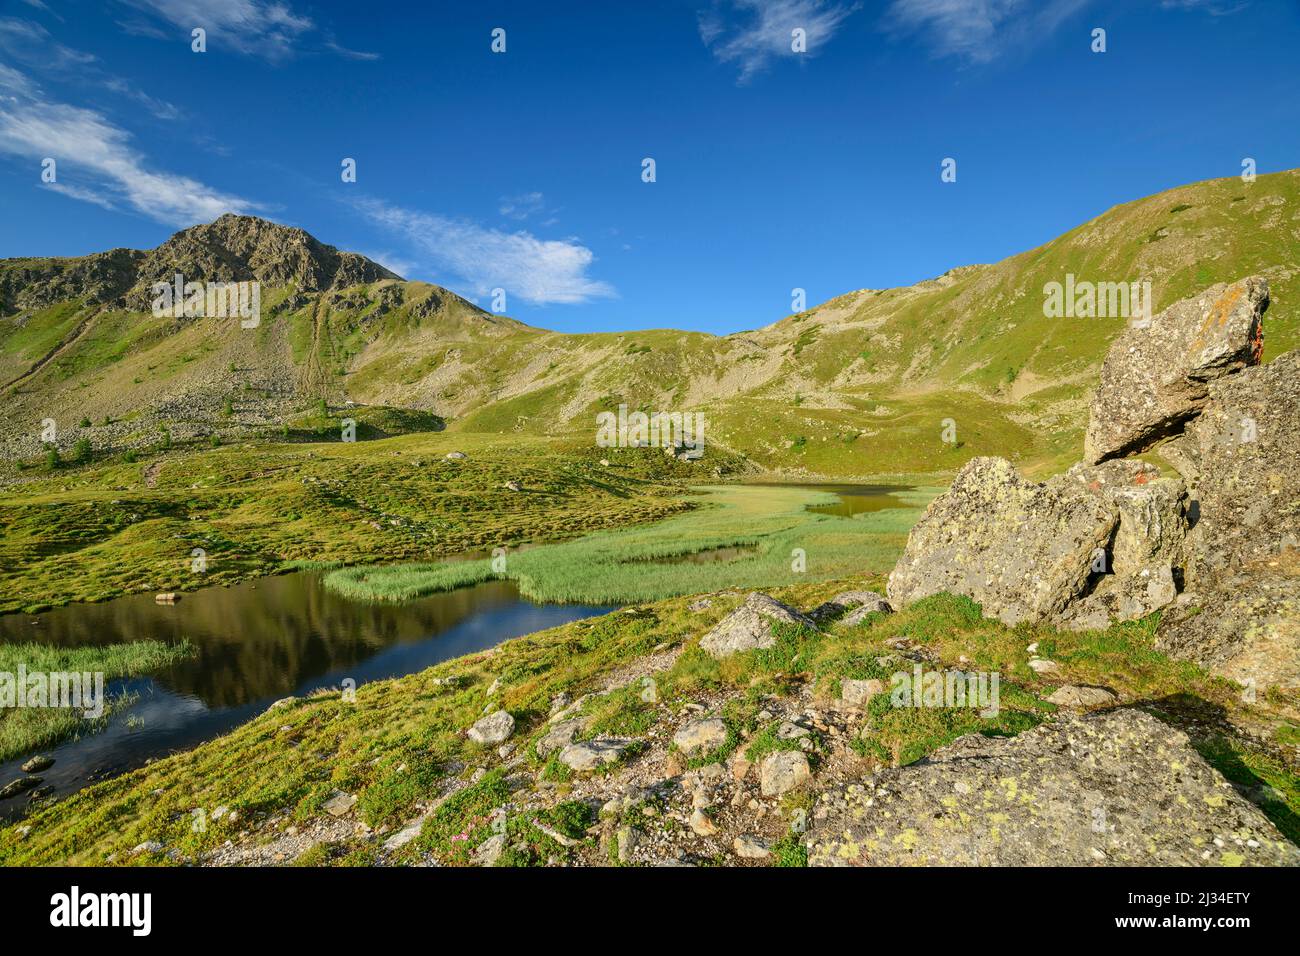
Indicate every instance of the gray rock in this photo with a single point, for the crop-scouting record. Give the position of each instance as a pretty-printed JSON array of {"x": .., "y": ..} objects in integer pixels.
[
  {"x": 21, "y": 785},
  {"x": 1243, "y": 550},
  {"x": 148, "y": 846},
  {"x": 749, "y": 627},
  {"x": 1082, "y": 696},
  {"x": 489, "y": 851},
  {"x": 560, "y": 735},
  {"x": 455, "y": 456},
  {"x": 1022, "y": 550},
  {"x": 593, "y": 753},
  {"x": 858, "y": 693},
  {"x": 782, "y": 771},
  {"x": 339, "y": 804},
  {"x": 1155, "y": 379},
  {"x": 1152, "y": 512},
  {"x": 701, "y": 736},
  {"x": 493, "y": 729},
  {"x": 37, "y": 764},
  {"x": 751, "y": 848},
  {"x": 861, "y": 603},
  {"x": 1115, "y": 788},
  {"x": 1244, "y": 625},
  {"x": 1121, "y": 598}
]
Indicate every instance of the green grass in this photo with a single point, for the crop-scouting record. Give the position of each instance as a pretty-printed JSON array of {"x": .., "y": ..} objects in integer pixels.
[
  {"x": 96, "y": 531},
  {"x": 636, "y": 564},
  {"x": 399, "y": 743},
  {"x": 25, "y": 729}
]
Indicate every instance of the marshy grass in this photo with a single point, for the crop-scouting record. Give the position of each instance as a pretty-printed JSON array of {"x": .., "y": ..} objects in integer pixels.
[
  {"x": 780, "y": 543},
  {"x": 25, "y": 729}
]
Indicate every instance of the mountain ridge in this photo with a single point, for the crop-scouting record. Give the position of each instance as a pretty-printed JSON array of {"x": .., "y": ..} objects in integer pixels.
[{"x": 855, "y": 386}]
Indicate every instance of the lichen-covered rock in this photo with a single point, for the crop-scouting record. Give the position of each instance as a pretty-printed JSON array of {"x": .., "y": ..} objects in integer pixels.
[
  {"x": 861, "y": 603},
  {"x": 1244, "y": 626},
  {"x": 749, "y": 627},
  {"x": 493, "y": 729},
  {"x": 1022, "y": 550},
  {"x": 1152, "y": 512},
  {"x": 1247, "y": 447},
  {"x": 1121, "y": 597},
  {"x": 782, "y": 771},
  {"x": 1243, "y": 550},
  {"x": 559, "y": 735},
  {"x": 591, "y": 754},
  {"x": 1155, "y": 378},
  {"x": 1114, "y": 788}
]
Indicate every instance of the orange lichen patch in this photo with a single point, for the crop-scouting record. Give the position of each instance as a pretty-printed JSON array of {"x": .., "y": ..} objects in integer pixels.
[
  {"x": 1219, "y": 313},
  {"x": 1257, "y": 344}
]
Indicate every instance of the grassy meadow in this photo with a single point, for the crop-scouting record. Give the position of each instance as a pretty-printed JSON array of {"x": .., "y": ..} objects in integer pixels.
[{"x": 644, "y": 563}]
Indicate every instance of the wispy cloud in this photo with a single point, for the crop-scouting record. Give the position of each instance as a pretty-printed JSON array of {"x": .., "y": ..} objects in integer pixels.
[
  {"x": 1215, "y": 8},
  {"x": 528, "y": 206},
  {"x": 266, "y": 28},
  {"x": 95, "y": 161},
  {"x": 749, "y": 34},
  {"x": 32, "y": 45},
  {"x": 979, "y": 31},
  {"x": 537, "y": 271}
]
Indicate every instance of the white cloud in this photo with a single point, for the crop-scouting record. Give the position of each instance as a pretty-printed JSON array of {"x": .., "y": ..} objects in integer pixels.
[
  {"x": 1215, "y": 8},
  {"x": 765, "y": 29},
  {"x": 979, "y": 30},
  {"x": 32, "y": 45},
  {"x": 265, "y": 28},
  {"x": 95, "y": 161},
  {"x": 538, "y": 271},
  {"x": 522, "y": 206}
]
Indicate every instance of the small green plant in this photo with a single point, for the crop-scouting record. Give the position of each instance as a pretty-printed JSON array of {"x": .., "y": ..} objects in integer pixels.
[
  {"x": 52, "y": 460},
  {"x": 81, "y": 450}
]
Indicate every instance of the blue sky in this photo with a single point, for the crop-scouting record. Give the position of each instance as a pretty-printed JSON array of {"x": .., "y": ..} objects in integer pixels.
[{"x": 523, "y": 170}]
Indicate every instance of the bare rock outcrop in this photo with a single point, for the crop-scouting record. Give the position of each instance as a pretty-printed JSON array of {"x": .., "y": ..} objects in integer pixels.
[
  {"x": 1114, "y": 788},
  {"x": 1023, "y": 550},
  {"x": 1242, "y": 615},
  {"x": 749, "y": 627},
  {"x": 1156, "y": 378}
]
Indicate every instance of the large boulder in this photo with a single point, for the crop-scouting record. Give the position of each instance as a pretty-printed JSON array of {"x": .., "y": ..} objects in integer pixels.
[
  {"x": 1022, "y": 550},
  {"x": 1152, "y": 513},
  {"x": 1241, "y": 618},
  {"x": 1115, "y": 788},
  {"x": 1156, "y": 377},
  {"x": 749, "y": 627},
  {"x": 1244, "y": 626},
  {"x": 1246, "y": 449}
]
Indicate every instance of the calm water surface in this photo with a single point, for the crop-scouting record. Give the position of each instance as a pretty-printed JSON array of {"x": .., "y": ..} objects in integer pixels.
[{"x": 257, "y": 642}]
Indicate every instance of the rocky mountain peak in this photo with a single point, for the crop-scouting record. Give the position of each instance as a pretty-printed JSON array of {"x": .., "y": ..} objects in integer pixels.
[{"x": 236, "y": 248}]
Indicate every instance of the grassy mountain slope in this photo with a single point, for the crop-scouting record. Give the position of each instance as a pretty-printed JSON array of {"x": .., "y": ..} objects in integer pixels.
[{"x": 859, "y": 385}]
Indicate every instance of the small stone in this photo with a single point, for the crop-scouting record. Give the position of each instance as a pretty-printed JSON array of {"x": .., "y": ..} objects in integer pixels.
[
  {"x": 489, "y": 851},
  {"x": 701, "y": 825},
  {"x": 1041, "y": 666},
  {"x": 492, "y": 729},
  {"x": 339, "y": 804},
  {"x": 782, "y": 771},
  {"x": 627, "y": 841},
  {"x": 701, "y": 736},
  {"x": 1081, "y": 696},
  {"x": 148, "y": 846},
  {"x": 750, "y": 848},
  {"x": 37, "y": 764},
  {"x": 593, "y": 753}
]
